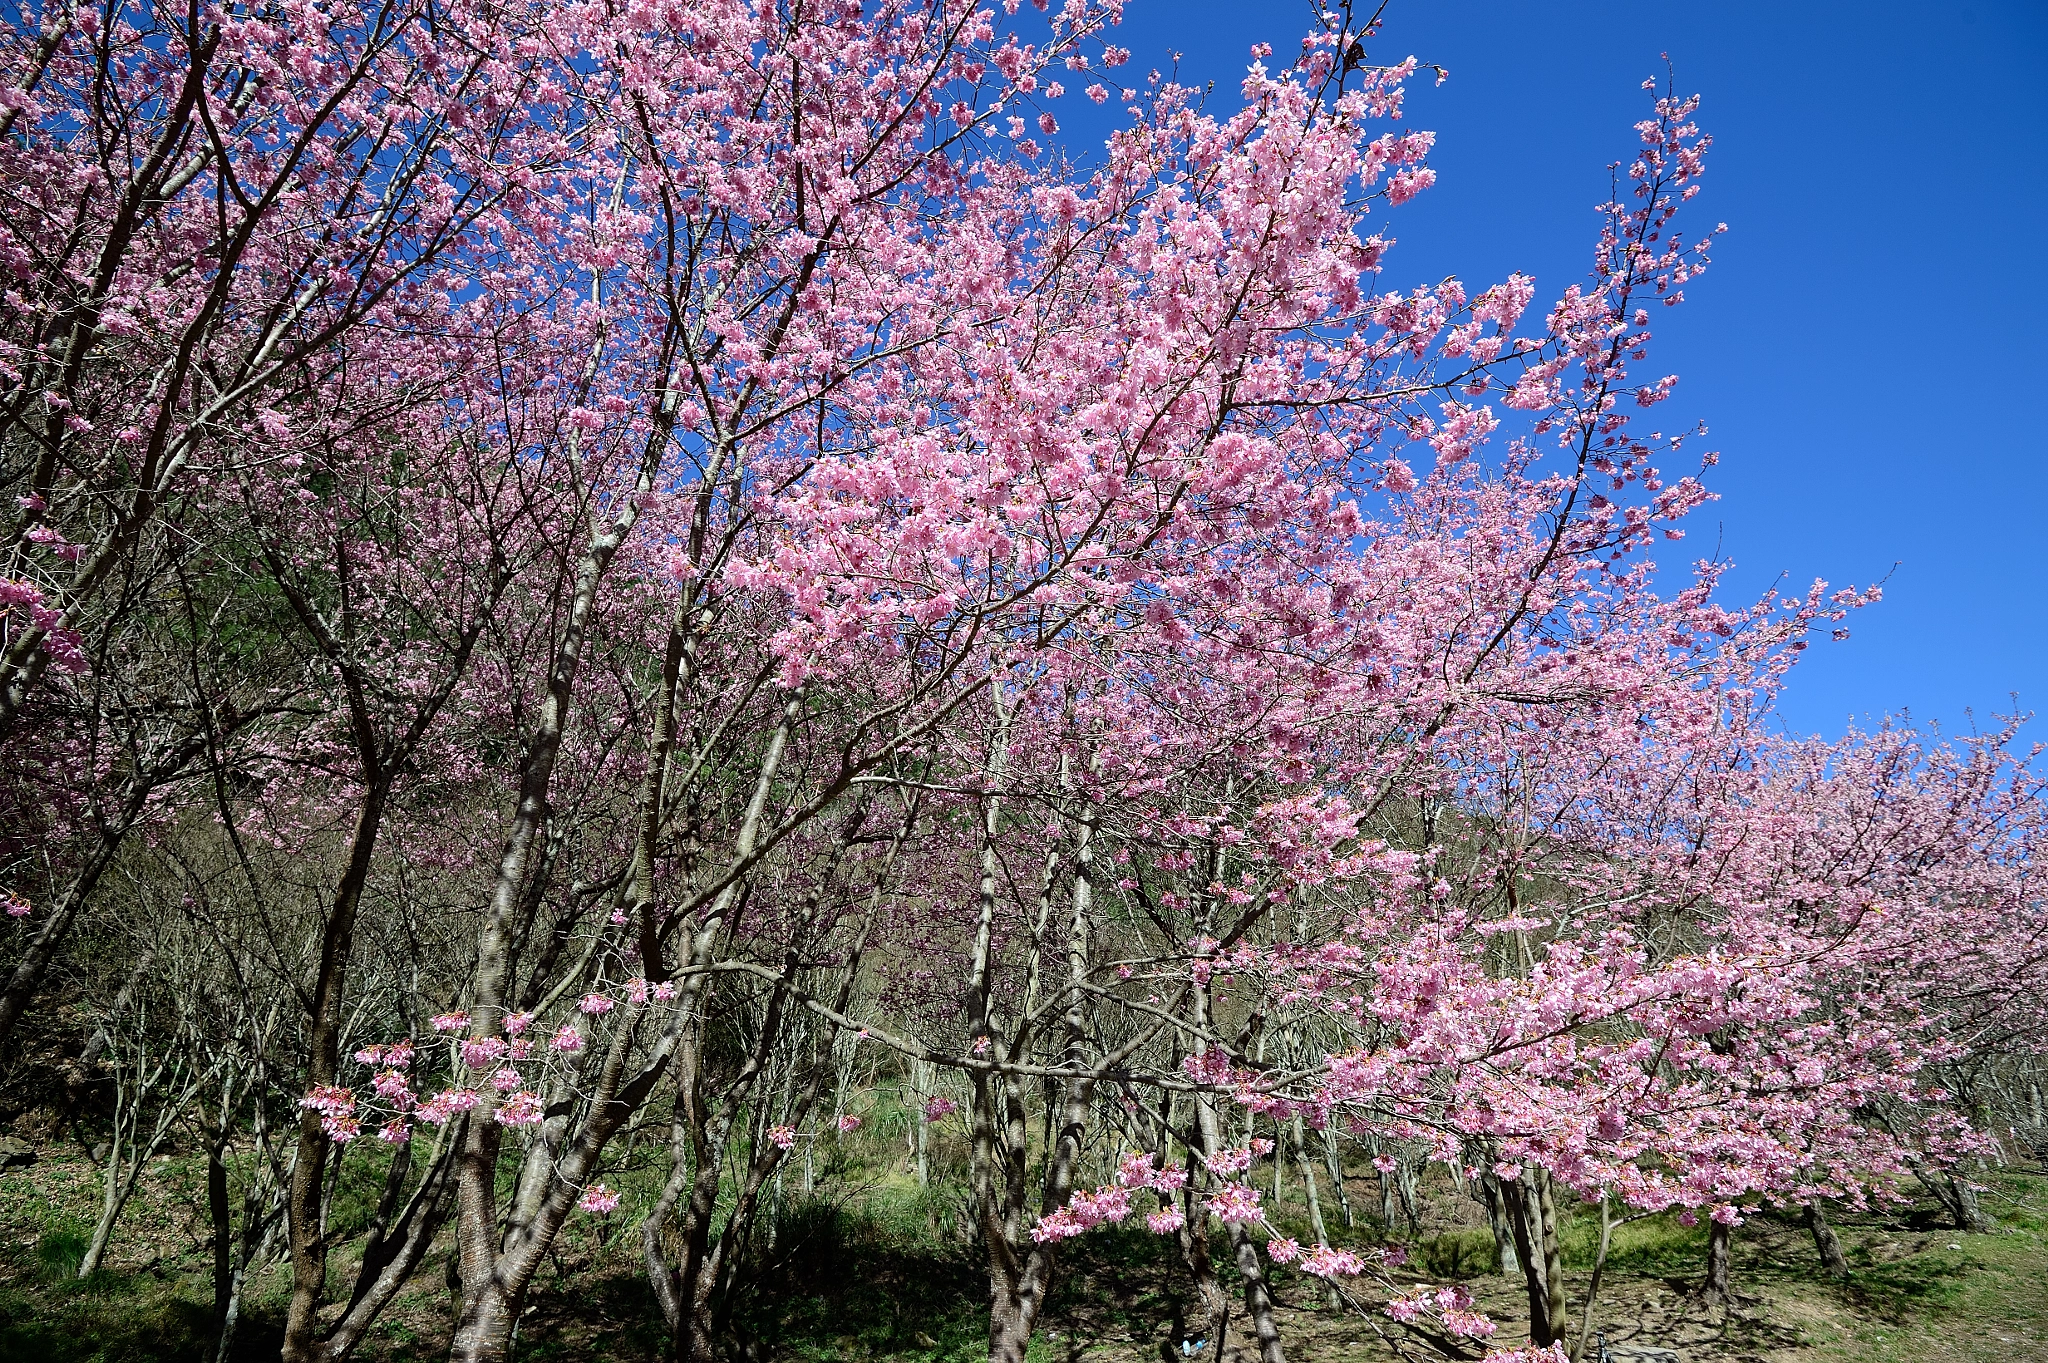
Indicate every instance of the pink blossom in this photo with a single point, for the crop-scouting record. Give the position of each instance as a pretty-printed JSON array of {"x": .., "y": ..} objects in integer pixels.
[
  {"x": 849, "y": 1122},
  {"x": 445, "y": 1104},
  {"x": 330, "y": 1100},
  {"x": 1235, "y": 1161},
  {"x": 1236, "y": 1204},
  {"x": 1060, "y": 1225},
  {"x": 598, "y": 1199},
  {"x": 437, "y": 1109},
  {"x": 1325, "y": 1262},
  {"x": 566, "y": 1039},
  {"x": 938, "y": 1109},
  {"x": 782, "y": 1137},
  {"x": 521, "y": 1109},
  {"x": 450, "y": 1022},
  {"x": 595, "y": 1004},
  {"x": 1165, "y": 1221}
]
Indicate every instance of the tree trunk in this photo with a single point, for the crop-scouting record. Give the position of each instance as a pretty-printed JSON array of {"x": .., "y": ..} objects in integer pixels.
[
  {"x": 484, "y": 1334},
  {"x": 1012, "y": 1317},
  {"x": 1553, "y": 1256},
  {"x": 42, "y": 948},
  {"x": 1714, "y": 1291},
  {"x": 1012, "y": 1321},
  {"x": 1593, "y": 1287},
  {"x": 113, "y": 1193},
  {"x": 1404, "y": 1183},
  {"x": 222, "y": 1217},
  {"x": 1194, "y": 1248},
  {"x": 1258, "y": 1298},
  {"x": 378, "y": 1248},
  {"x": 1333, "y": 1160},
  {"x": 1826, "y": 1242},
  {"x": 1331, "y": 1296},
  {"x": 1969, "y": 1213},
  {"x": 306, "y": 1200},
  {"x": 403, "y": 1242},
  {"x": 1387, "y": 1195},
  {"x": 1524, "y": 1217},
  {"x": 1497, "y": 1218}
]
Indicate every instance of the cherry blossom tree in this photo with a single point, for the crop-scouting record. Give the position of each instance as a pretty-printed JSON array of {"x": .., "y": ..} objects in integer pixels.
[{"x": 880, "y": 593}]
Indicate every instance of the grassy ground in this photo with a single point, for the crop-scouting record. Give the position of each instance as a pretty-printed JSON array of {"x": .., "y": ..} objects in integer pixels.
[{"x": 883, "y": 1276}]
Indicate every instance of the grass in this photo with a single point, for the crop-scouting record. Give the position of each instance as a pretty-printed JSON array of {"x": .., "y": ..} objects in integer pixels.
[
  {"x": 884, "y": 1273},
  {"x": 52, "y": 1314}
]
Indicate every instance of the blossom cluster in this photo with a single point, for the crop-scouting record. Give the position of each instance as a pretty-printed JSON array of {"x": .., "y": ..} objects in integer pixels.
[
  {"x": 1452, "y": 1306},
  {"x": 498, "y": 1074}
]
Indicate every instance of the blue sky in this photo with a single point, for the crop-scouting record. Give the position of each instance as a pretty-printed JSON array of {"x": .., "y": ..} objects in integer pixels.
[{"x": 1863, "y": 349}]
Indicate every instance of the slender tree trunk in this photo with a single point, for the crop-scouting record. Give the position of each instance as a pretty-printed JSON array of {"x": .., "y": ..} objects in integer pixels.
[
  {"x": 661, "y": 1275},
  {"x": 378, "y": 1247},
  {"x": 1553, "y": 1256},
  {"x": 27, "y": 976},
  {"x": 1404, "y": 1183},
  {"x": 921, "y": 1129},
  {"x": 1593, "y": 1287},
  {"x": 305, "y": 1200},
  {"x": 1714, "y": 1290},
  {"x": 1315, "y": 1205},
  {"x": 1209, "y": 1293},
  {"x": 1258, "y": 1298},
  {"x": 1524, "y": 1217},
  {"x": 113, "y": 1193},
  {"x": 1387, "y": 1194},
  {"x": 222, "y": 1216},
  {"x": 1333, "y": 1160},
  {"x": 403, "y": 1243},
  {"x": 1826, "y": 1242},
  {"x": 1497, "y": 1218}
]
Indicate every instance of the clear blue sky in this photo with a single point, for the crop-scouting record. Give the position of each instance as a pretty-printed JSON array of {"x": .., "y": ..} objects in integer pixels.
[{"x": 1865, "y": 349}]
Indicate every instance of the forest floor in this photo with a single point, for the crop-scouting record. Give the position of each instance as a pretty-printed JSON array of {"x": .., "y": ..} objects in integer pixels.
[{"x": 877, "y": 1278}]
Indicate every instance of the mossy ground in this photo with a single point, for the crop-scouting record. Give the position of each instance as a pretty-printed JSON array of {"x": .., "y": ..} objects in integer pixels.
[{"x": 882, "y": 1274}]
